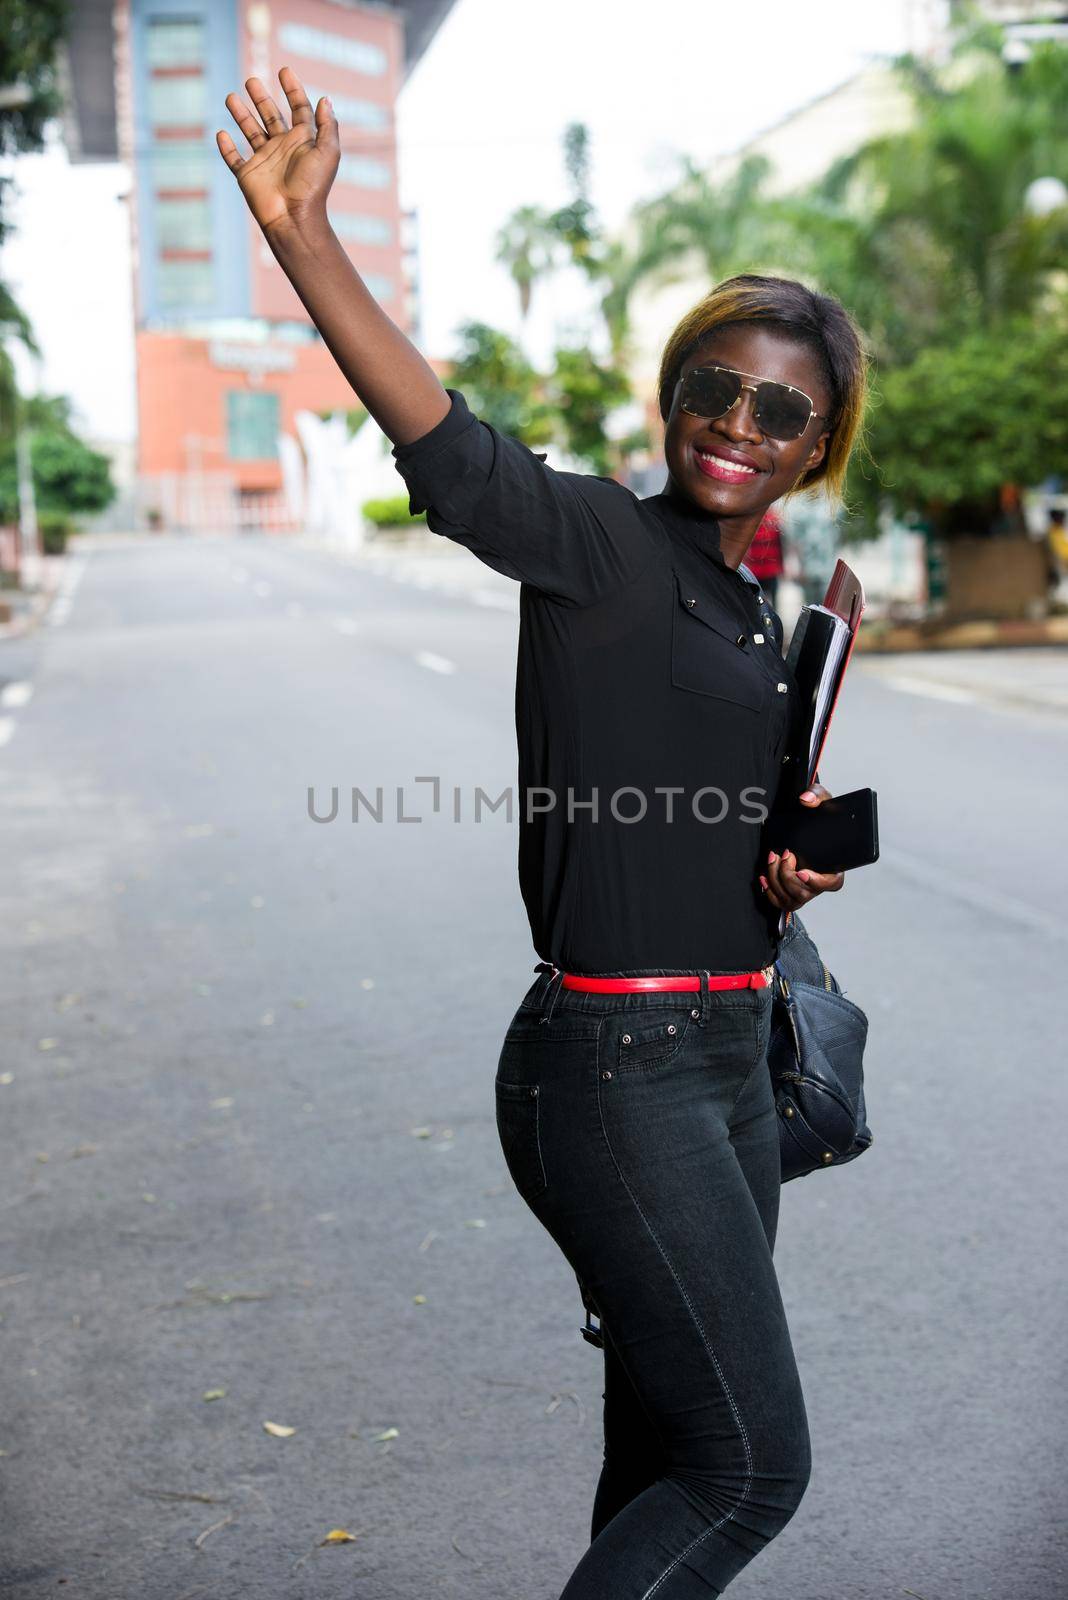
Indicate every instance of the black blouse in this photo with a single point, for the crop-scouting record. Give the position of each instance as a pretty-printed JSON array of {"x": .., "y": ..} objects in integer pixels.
[{"x": 652, "y": 705}]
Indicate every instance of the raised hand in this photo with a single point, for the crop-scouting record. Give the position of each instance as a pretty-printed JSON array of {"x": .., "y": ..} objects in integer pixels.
[{"x": 286, "y": 179}]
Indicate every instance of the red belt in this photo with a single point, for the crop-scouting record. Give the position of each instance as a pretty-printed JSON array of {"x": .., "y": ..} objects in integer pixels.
[{"x": 684, "y": 980}]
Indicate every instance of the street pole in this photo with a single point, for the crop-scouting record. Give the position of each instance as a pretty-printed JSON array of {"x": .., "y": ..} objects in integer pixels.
[{"x": 29, "y": 550}]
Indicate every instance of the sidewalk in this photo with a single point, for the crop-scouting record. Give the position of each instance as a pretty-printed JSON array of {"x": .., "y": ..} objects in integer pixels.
[
  {"x": 429, "y": 561},
  {"x": 22, "y": 609},
  {"x": 880, "y": 637},
  {"x": 1033, "y": 679}
]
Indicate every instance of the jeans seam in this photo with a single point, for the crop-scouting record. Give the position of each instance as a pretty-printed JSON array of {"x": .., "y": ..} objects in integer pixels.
[
  {"x": 712, "y": 1356},
  {"x": 753, "y": 1066}
]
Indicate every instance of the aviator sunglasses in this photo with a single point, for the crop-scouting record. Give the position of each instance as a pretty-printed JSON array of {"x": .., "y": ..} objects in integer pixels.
[{"x": 782, "y": 411}]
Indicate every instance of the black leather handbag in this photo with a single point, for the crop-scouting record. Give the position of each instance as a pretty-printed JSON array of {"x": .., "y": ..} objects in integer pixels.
[{"x": 816, "y": 1057}]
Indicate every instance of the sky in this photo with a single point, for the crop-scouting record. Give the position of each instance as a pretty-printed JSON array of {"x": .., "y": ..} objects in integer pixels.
[{"x": 480, "y": 125}]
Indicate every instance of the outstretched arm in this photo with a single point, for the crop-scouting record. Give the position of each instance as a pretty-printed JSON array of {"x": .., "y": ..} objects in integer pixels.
[{"x": 285, "y": 181}]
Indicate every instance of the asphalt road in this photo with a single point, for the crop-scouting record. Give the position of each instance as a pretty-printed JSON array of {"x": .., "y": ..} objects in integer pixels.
[{"x": 248, "y": 1139}]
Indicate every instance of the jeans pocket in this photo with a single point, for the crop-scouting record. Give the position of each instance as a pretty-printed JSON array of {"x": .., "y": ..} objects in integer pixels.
[
  {"x": 518, "y": 1130},
  {"x": 641, "y": 1042}
]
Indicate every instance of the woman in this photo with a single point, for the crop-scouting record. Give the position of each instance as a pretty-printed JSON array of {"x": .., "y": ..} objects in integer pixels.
[{"x": 653, "y": 708}]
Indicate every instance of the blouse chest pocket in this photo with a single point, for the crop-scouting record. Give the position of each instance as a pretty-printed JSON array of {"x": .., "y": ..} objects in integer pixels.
[{"x": 711, "y": 654}]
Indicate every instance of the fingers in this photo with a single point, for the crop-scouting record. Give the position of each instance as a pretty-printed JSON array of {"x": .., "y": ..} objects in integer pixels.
[
  {"x": 326, "y": 131},
  {"x": 789, "y": 889},
  {"x": 270, "y": 115},
  {"x": 785, "y": 888},
  {"x": 816, "y": 795},
  {"x": 228, "y": 151},
  {"x": 248, "y": 124},
  {"x": 299, "y": 104}
]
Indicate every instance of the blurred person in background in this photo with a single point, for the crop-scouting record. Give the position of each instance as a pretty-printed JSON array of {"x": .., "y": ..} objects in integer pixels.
[
  {"x": 1057, "y": 548},
  {"x": 634, "y": 1103},
  {"x": 764, "y": 557}
]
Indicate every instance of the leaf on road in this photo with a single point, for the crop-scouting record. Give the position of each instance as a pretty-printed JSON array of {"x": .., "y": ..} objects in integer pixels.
[
  {"x": 214, "y": 1394},
  {"x": 474, "y": 1222},
  {"x": 7, "y": 1077},
  {"x": 222, "y": 1103},
  {"x": 338, "y": 1536},
  {"x": 389, "y": 1433},
  {"x": 47, "y": 1044},
  {"x": 418, "y": 1299},
  {"x": 420, "y": 1133},
  {"x": 279, "y": 1430}
]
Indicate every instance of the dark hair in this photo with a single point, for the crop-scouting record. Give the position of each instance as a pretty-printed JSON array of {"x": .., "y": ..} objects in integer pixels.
[{"x": 816, "y": 320}]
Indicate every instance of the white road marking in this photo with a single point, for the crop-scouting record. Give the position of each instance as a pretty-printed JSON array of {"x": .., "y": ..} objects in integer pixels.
[
  {"x": 7, "y": 728},
  {"x": 433, "y": 663},
  {"x": 13, "y": 695},
  {"x": 347, "y": 625},
  {"x": 930, "y": 689}
]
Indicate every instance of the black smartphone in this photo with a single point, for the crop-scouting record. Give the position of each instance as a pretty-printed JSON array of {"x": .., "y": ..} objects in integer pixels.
[{"x": 836, "y": 836}]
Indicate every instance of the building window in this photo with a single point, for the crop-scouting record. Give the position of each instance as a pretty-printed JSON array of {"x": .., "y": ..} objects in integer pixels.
[
  {"x": 365, "y": 230},
  {"x": 252, "y": 424},
  {"x": 178, "y": 102},
  {"x": 183, "y": 224},
  {"x": 364, "y": 172},
  {"x": 185, "y": 283},
  {"x": 179, "y": 225},
  {"x": 379, "y": 285},
  {"x": 359, "y": 113},
  {"x": 180, "y": 164},
  {"x": 315, "y": 44},
  {"x": 175, "y": 42}
]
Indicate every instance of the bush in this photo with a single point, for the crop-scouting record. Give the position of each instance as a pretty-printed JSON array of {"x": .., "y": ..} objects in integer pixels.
[
  {"x": 390, "y": 512},
  {"x": 54, "y": 528}
]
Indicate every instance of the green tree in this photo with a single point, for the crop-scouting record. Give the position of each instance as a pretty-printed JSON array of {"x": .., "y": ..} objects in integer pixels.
[
  {"x": 584, "y": 394},
  {"x": 959, "y": 422},
  {"x": 527, "y": 245},
  {"x": 500, "y": 384},
  {"x": 69, "y": 478}
]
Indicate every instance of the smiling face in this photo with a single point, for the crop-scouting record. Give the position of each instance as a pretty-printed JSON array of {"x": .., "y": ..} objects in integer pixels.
[{"x": 721, "y": 485}]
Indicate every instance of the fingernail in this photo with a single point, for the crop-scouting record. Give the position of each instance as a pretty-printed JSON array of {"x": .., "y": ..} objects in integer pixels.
[
  {"x": 763, "y": 881},
  {"x": 772, "y": 857},
  {"x": 803, "y": 876},
  {"x": 808, "y": 795}
]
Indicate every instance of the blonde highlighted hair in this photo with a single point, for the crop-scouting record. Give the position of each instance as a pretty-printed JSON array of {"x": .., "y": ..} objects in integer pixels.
[{"x": 816, "y": 320}]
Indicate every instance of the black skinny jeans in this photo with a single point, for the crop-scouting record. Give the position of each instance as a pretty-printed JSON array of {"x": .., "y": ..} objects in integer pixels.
[{"x": 641, "y": 1131}]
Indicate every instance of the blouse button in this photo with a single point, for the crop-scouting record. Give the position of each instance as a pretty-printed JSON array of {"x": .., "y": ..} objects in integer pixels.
[
  {"x": 740, "y": 641},
  {"x": 781, "y": 688}
]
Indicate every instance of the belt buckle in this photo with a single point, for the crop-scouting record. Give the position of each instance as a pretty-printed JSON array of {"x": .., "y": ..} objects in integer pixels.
[{"x": 769, "y": 974}]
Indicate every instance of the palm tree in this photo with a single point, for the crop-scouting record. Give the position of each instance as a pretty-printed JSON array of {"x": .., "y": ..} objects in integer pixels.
[{"x": 528, "y": 245}]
